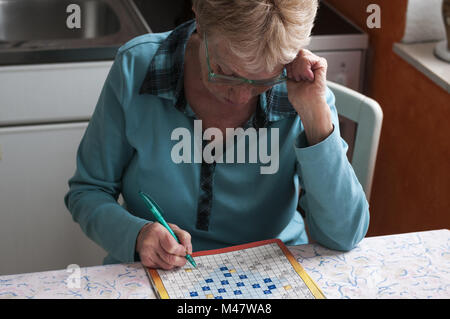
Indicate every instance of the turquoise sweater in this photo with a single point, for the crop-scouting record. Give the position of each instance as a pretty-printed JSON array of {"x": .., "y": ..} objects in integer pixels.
[{"x": 127, "y": 147}]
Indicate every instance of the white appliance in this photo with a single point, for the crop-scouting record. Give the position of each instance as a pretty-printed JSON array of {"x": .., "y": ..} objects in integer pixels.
[{"x": 44, "y": 110}]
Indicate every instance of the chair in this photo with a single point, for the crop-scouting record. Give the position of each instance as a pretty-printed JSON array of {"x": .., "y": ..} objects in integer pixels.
[{"x": 363, "y": 137}]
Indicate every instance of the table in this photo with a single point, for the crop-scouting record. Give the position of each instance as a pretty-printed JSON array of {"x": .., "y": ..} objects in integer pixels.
[{"x": 412, "y": 265}]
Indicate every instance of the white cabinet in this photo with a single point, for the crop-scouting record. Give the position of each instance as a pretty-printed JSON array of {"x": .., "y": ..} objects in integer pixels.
[
  {"x": 36, "y": 230},
  {"x": 39, "y": 138},
  {"x": 344, "y": 67},
  {"x": 45, "y": 93}
]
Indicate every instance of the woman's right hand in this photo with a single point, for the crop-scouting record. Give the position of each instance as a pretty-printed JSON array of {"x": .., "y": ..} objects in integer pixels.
[{"x": 157, "y": 248}]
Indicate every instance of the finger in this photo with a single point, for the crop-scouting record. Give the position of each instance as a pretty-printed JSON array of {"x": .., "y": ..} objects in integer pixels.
[
  {"x": 185, "y": 239},
  {"x": 170, "y": 245},
  {"x": 321, "y": 65},
  {"x": 292, "y": 74},
  {"x": 173, "y": 260},
  {"x": 173, "y": 226},
  {"x": 151, "y": 260},
  {"x": 309, "y": 74},
  {"x": 296, "y": 72},
  {"x": 305, "y": 64},
  {"x": 320, "y": 72},
  {"x": 289, "y": 70},
  {"x": 306, "y": 69},
  {"x": 161, "y": 262},
  {"x": 148, "y": 261},
  {"x": 189, "y": 248}
]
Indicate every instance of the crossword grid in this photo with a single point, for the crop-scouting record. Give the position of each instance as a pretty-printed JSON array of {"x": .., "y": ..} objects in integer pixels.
[{"x": 257, "y": 272}]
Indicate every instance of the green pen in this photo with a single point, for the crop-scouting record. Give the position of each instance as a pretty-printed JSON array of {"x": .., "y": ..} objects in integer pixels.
[{"x": 157, "y": 213}]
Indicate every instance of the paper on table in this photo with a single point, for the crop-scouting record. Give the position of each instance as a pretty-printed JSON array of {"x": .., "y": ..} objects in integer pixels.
[{"x": 264, "y": 269}]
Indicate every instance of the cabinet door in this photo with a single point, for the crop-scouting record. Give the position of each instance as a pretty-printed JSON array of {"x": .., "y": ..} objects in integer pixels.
[
  {"x": 45, "y": 93},
  {"x": 344, "y": 67},
  {"x": 37, "y": 232}
]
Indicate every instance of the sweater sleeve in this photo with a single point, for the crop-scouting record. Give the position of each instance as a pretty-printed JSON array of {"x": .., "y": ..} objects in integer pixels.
[
  {"x": 337, "y": 211},
  {"x": 102, "y": 155}
]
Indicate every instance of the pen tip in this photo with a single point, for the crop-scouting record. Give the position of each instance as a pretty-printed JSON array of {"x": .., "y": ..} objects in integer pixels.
[{"x": 191, "y": 260}]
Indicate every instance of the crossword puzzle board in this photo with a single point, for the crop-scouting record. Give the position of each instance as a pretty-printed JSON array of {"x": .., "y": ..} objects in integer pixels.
[{"x": 264, "y": 269}]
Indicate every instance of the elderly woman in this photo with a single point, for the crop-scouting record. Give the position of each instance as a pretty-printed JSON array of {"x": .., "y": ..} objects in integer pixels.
[{"x": 239, "y": 64}]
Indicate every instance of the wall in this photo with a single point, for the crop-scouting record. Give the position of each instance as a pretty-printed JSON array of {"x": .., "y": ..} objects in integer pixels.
[
  {"x": 411, "y": 187},
  {"x": 162, "y": 16}
]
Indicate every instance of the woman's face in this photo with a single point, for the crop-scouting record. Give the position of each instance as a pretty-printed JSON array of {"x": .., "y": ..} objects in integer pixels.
[{"x": 223, "y": 61}]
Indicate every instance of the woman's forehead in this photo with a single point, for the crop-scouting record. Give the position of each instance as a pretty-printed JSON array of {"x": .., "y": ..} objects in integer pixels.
[{"x": 220, "y": 50}]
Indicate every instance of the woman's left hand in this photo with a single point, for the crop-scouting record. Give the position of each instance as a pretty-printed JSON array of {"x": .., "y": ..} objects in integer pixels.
[{"x": 307, "y": 93}]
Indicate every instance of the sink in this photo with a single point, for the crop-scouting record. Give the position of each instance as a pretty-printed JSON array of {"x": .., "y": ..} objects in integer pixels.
[
  {"x": 35, "y": 31},
  {"x": 46, "y": 19}
]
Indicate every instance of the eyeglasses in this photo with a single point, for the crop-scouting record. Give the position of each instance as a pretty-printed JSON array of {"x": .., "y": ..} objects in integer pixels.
[{"x": 233, "y": 80}]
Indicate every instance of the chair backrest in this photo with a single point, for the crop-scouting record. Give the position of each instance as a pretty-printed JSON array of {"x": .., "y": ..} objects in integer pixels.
[{"x": 368, "y": 116}]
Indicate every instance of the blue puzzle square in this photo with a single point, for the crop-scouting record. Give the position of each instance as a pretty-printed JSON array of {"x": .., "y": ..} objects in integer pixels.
[
  {"x": 242, "y": 276},
  {"x": 240, "y": 284},
  {"x": 266, "y": 292},
  {"x": 193, "y": 294},
  {"x": 218, "y": 297},
  {"x": 256, "y": 286},
  {"x": 266, "y": 280},
  {"x": 205, "y": 288},
  {"x": 238, "y": 292},
  {"x": 223, "y": 268},
  {"x": 224, "y": 282},
  {"x": 209, "y": 280},
  {"x": 272, "y": 287},
  {"x": 227, "y": 274},
  {"x": 222, "y": 290}
]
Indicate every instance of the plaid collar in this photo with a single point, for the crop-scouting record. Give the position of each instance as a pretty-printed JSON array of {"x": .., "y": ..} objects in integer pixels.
[{"x": 165, "y": 78}]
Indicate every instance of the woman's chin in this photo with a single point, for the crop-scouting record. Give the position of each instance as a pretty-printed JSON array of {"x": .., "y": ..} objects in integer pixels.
[{"x": 231, "y": 103}]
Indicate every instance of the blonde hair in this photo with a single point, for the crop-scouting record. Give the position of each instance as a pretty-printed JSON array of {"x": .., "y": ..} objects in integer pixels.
[{"x": 263, "y": 33}]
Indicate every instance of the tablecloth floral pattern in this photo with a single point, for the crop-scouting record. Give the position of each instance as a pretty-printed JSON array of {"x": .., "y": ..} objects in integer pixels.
[{"x": 413, "y": 265}]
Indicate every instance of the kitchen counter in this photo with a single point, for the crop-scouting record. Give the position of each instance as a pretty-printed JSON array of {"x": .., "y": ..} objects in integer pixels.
[
  {"x": 331, "y": 31},
  {"x": 34, "y": 32},
  {"x": 412, "y": 265}
]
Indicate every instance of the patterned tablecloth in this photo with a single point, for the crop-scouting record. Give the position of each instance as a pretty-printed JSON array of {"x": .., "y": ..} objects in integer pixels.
[{"x": 413, "y": 265}]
